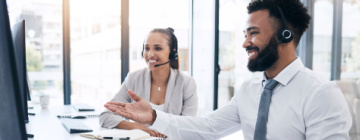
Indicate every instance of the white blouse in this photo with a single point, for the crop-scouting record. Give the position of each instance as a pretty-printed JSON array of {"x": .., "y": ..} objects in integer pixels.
[{"x": 157, "y": 107}]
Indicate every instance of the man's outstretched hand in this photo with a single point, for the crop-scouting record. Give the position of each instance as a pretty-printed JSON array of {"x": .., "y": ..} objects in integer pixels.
[{"x": 140, "y": 111}]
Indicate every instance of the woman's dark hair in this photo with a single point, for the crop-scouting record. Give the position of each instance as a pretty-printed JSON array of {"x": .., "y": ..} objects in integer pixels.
[
  {"x": 295, "y": 13},
  {"x": 173, "y": 43}
]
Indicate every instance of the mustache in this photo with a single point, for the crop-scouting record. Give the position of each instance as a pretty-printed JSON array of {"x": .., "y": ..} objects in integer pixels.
[{"x": 252, "y": 48}]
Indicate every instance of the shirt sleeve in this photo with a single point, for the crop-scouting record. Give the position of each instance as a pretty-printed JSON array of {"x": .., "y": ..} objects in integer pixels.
[
  {"x": 327, "y": 115},
  {"x": 213, "y": 126},
  {"x": 190, "y": 99},
  {"x": 109, "y": 119}
]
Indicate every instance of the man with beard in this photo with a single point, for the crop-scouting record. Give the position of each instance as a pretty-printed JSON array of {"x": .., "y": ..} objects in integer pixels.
[{"x": 290, "y": 102}]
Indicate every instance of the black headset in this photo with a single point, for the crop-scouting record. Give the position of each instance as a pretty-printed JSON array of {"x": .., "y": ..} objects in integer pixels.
[
  {"x": 285, "y": 34},
  {"x": 173, "y": 47}
]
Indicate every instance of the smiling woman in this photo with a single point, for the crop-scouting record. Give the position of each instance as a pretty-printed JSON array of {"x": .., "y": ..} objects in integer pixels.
[
  {"x": 160, "y": 83},
  {"x": 161, "y": 42}
]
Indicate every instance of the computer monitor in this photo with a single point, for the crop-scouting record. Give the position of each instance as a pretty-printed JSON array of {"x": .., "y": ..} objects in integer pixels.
[
  {"x": 28, "y": 87},
  {"x": 18, "y": 36},
  {"x": 12, "y": 124}
]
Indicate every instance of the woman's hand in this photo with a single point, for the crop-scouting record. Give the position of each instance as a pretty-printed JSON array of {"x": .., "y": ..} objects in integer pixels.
[
  {"x": 133, "y": 125},
  {"x": 151, "y": 132}
]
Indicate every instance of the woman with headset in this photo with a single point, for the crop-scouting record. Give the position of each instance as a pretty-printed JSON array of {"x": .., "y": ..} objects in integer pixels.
[{"x": 161, "y": 83}]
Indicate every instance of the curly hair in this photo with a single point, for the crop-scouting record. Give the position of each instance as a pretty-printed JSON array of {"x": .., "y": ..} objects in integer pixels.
[{"x": 295, "y": 13}]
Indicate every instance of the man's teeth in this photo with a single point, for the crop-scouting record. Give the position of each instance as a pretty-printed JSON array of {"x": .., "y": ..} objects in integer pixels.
[
  {"x": 152, "y": 61},
  {"x": 252, "y": 53}
]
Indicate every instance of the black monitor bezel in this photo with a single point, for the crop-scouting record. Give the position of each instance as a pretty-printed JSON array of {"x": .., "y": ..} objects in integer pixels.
[
  {"x": 12, "y": 124},
  {"x": 18, "y": 36}
]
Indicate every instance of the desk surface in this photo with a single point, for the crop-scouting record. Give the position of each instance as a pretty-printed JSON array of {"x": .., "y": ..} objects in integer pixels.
[{"x": 46, "y": 126}]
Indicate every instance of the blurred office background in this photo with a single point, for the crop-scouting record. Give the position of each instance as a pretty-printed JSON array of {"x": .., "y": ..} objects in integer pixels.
[{"x": 210, "y": 33}]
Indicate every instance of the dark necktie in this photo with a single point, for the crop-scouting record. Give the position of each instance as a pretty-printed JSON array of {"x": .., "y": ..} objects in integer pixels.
[{"x": 260, "y": 128}]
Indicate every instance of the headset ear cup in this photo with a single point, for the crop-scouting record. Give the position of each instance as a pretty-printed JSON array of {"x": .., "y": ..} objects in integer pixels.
[
  {"x": 142, "y": 53},
  {"x": 285, "y": 35},
  {"x": 173, "y": 55}
]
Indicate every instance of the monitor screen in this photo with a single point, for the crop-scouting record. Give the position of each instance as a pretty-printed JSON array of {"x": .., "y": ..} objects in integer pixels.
[
  {"x": 18, "y": 36},
  {"x": 12, "y": 124}
]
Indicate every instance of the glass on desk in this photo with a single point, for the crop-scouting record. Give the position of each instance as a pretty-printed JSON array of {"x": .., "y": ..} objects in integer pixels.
[{"x": 44, "y": 101}]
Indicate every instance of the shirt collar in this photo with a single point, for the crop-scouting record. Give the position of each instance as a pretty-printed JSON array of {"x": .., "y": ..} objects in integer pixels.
[{"x": 287, "y": 73}]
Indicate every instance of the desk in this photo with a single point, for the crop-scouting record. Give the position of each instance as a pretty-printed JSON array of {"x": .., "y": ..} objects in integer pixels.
[{"x": 46, "y": 126}]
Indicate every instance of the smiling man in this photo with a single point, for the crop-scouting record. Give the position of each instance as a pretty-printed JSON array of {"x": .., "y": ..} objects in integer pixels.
[{"x": 290, "y": 102}]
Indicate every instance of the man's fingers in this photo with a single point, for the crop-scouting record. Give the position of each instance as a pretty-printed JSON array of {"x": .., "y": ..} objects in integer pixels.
[
  {"x": 116, "y": 109},
  {"x": 123, "y": 113},
  {"x": 116, "y": 103},
  {"x": 112, "y": 107},
  {"x": 133, "y": 95}
]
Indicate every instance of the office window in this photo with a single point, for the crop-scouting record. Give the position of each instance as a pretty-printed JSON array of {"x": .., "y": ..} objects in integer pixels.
[
  {"x": 323, "y": 25},
  {"x": 203, "y": 51},
  {"x": 95, "y": 50},
  {"x": 233, "y": 58},
  {"x": 43, "y": 31},
  {"x": 146, "y": 15},
  {"x": 350, "y": 53}
]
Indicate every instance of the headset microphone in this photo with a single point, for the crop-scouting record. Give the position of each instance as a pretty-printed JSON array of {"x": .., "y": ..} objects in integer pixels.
[{"x": 164, "y": 63}]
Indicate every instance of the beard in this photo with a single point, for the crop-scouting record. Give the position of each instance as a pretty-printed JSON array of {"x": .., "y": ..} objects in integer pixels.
[{"x": 265, "y": 58}]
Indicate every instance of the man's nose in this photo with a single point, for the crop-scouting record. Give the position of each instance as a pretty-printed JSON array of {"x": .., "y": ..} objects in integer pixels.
[{"x": 247, "y": 43}]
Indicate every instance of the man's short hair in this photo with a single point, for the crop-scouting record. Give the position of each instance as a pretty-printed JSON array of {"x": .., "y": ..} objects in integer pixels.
[{"x": 295, "y": 13}]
